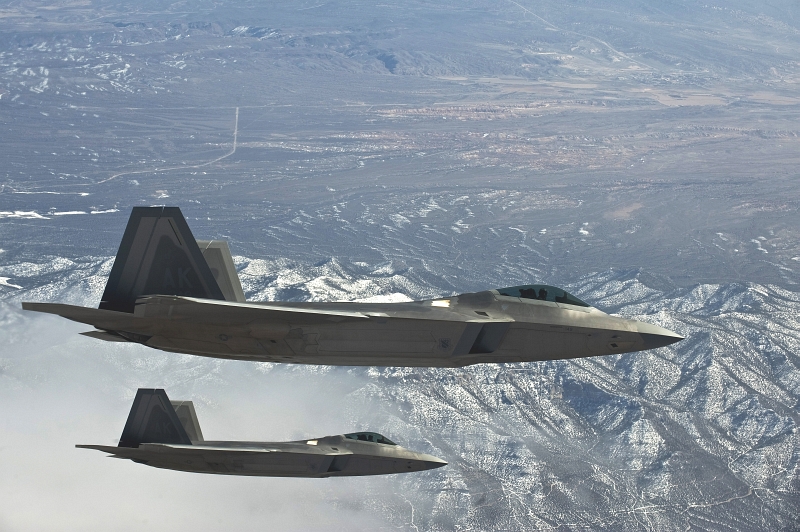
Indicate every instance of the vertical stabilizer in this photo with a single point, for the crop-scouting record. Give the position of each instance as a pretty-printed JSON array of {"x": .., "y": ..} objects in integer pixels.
[
  {"x": 219, "y": 259},
  {"x": 188, "y": 418},
  {"x": 152, "y": 420},
  {"x": 158, "y": 256}
]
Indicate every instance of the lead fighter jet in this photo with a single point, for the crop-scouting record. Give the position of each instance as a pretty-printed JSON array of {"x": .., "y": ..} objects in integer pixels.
[
  {"x": 166, "y": 434},
  {"x": 171, "y": 292}
]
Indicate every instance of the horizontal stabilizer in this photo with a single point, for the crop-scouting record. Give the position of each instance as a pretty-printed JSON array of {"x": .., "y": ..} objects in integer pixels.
[
  {"x": 104, "y": 335},
  {"x": 102, "y": 319}
]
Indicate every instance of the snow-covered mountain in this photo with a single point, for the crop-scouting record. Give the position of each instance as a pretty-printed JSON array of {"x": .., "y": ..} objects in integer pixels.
[{"x": 700, "y": 434}]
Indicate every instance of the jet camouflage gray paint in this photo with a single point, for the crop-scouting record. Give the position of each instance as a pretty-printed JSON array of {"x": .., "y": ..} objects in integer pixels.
[
  {"x": 167, "y": 293},
  {"x": 166, "y": 434}
]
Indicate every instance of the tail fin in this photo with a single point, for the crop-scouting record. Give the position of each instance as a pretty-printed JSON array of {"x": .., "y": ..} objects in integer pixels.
[
  {"x": 153, "y": 420},
  {"x": 158, "y": 256},
  {"x": 188, "y": 419},
  {"x": 219, "y": 259}
]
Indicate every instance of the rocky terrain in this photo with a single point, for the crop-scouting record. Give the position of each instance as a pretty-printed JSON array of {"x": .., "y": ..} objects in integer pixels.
[{"x": 700, "y": 434}]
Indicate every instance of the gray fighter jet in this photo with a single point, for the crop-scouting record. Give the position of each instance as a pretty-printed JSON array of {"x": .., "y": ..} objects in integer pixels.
[
  {"x": 166, "y": 434},
  {"x": 170, "y": 292}
]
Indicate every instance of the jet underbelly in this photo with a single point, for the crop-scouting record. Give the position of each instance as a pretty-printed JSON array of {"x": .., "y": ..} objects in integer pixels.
[
  {"x": 606, "y": 342},
  {"x": 280, "y": 464},
  {"x": 539, "y": 344},
  {"x": 389, "y": 340},
  {"x": 268, "y": 464},
  {"x": 394, "y": 338},
  {"x": 369, "y": 465}
]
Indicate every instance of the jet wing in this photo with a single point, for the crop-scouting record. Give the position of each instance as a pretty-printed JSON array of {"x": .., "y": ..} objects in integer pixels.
[
  {"x": 197, "y": 309},
  {"x": 151, "y": 310},
  {"x": 177, "y": 307},
  {"x": 232, "y": 312},
  {"x": 354, "y": 332},
  {"x": 142, "y": 448}
]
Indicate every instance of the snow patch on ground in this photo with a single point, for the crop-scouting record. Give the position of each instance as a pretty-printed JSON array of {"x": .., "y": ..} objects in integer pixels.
[
  {"x": 24, "y": 215},
  {"x": 4, "y": 281}
]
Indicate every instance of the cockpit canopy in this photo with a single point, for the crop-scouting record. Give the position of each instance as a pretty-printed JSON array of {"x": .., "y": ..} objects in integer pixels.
[
  {"x": 542, "y": 292},
  {"x": 373, "y": 437}
]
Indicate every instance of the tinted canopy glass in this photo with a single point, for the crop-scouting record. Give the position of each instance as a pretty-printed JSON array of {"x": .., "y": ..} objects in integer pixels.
[
  {"x": 373, "y": 437},
  {"x": 542, "y": 292}
]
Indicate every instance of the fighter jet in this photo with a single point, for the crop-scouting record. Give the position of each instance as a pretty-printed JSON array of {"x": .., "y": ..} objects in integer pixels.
[
  {"x": 165, "y": 434},
  {"x": 171, "y": 292}
]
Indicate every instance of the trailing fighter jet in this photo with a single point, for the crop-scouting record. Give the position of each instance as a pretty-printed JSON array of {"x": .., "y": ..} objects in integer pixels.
[
  {"x": 166, "y": 434},
  {"x": 171, "y": 292}
]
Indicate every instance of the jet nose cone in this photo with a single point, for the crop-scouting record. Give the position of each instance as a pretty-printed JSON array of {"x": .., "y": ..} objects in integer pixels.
[
  {"x": 655, "y": 336},
  {"x": 431, "y": 462}
]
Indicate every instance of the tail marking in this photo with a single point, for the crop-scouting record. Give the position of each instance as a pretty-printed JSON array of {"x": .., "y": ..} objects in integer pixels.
[
  {"x": 158, "y": 256},
  {"x": 153, "y": 420}
]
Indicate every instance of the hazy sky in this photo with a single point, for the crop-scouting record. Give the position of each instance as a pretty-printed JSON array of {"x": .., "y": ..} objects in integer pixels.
[{"x": 58, "y": 389}]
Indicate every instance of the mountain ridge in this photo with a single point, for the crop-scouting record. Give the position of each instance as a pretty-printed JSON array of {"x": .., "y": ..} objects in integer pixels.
[{"x": 701, "y": 433}]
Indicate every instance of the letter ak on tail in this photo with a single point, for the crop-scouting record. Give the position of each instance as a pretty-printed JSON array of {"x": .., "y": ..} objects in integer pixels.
[{"x": 158, "y": 255}]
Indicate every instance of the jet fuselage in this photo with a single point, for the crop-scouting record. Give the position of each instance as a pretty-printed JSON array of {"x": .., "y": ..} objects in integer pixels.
[
  {"x": 331, "y": 456},
  {"x": 457, "y": 331},
  {"x": 166, "y": 434},
  {"x": 170, "y": 292}
]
